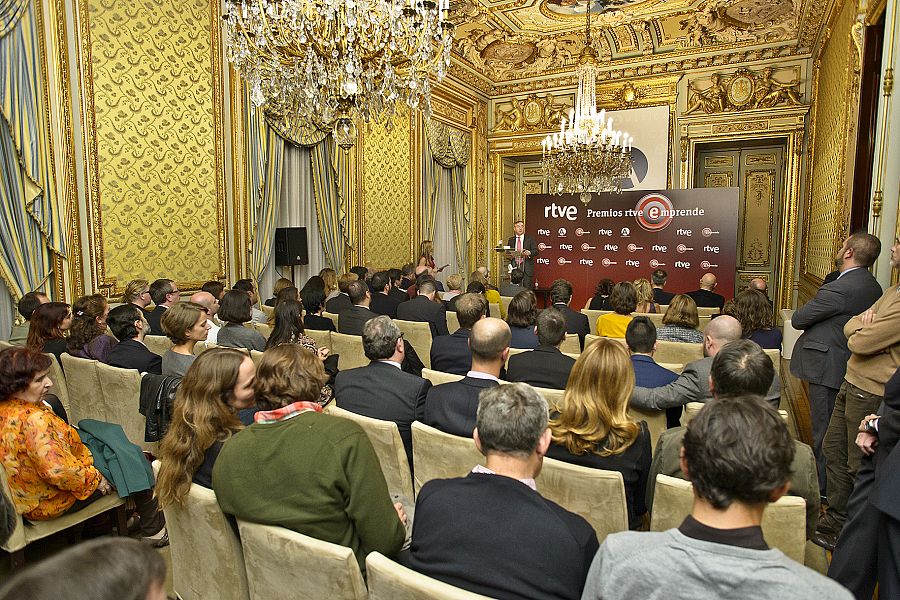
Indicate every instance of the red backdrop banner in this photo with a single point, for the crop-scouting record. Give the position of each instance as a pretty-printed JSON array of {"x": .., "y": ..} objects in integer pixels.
[{"x": 626, "y": 236}]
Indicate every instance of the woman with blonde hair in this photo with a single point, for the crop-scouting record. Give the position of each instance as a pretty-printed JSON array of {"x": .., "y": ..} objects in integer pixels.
[
  {"x": 592, "y": 428},
  {"x": 644, "y": 290},
  {"x": 137, "y": 292},
  {"x": 185, "y": 324},
  {"x": 329, "y": 276},
  {"x": 280, "y": 284},
  {"x": 218, "y": 384},
  {"x": 681, "y": 321}
]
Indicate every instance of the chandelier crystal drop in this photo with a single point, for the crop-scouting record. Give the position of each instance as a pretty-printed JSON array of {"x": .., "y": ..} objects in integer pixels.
[
  {"x": 586, "y": 155},
  {"x": 332, "y": 63}
]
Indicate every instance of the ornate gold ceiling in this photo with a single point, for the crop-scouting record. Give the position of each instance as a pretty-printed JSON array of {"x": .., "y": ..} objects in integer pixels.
[{"x": 501, "y": 44}]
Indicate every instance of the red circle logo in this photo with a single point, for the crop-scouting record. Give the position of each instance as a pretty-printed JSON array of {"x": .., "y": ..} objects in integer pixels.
[
  {"x": 654, "y": 212},
  {"x": 632, "y": 247},
  {"x": 707, "y": 232},
  {"x": 606, "y": 262},
  {"x": 705, "y": 264},
  {"x": 561, "y": 260},
  {"x": 542, "y": 246},
  {"x": 585, "y": 246},
  {"x": 654, "y": 263},
  {"x": 681, "y": 248},
  {"x": 580, "y": 232}
]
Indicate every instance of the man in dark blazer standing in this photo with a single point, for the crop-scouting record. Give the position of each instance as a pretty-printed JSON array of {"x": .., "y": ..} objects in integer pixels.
[
  {"x": 821, "y": 354},
  {"x": 545, "y": 366},
  {"x": 451, "y": 407},
  {"x": 164, "y": 293},
  {"x": 352, "y": 319},
  {"x": 525, "y": 244},
  {"x": 382, "y": 390},
  {"x": 450, "y": 353},
  {"x": 576, "y": 322},
  {"x": 128, "y": 324},
  {"x": 423, "y": 308}
]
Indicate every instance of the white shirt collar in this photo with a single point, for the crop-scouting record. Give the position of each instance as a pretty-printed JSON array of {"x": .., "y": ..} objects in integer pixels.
[
  {"x": 847, "y": 271},
  {"x": 391, "y": 362},
  {"x": 480, "y": 375},
  {"x": 485, "y": 471}
]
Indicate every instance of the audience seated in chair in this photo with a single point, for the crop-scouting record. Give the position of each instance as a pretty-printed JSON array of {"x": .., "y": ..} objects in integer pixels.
[
  {"x": 514, "y": 285},
  {"x": 491, "y": 532},
  {"x": 341, "y": 301},
  {"x": 474, "y": 287},
  {"x": 49, "y": 324},
  {"x": 313, "y": 297},
  {"x": 451, "y": 407},
  {"x": 215, "y": 288},
  {"x": 87, "y": 335},
  {"x": 520, "y": 316},
  {"x": 757, "y": 321},
  {"x": 705, "y": 296},
  {"x": 640, "y": 337},
  {"x": 623, "y": 301},
  {"x": 561, "y": 297},
  {"x": 600, "y": 300},
  {"x": 352, "y": 318},
  {"x": 26, "y": 306},
  {"x": 211, "y": 304},
  {"x": 737, "y": 453},
  {"x": 454, "y": 287},
  {"x": 280, "y": 284},
  {"x": 397, "y": 292},
  {"x": 423, "y": 308},
  {"x": 450, "y": 353},
  {"x": 165, "y": 294},
  {"x": 681, "y": 321},
  {"x": 137, "y": 292},
  {"x": 545, "y": 366},
  {"x": 246, "y": 285},
  {"x": 234, "y": 311},
  {"x": 383, "y": 303},
  {"x": 298, "y": 468},
  {"x": 658, "y": 282},
  {"x": 382, "y": 390},
  {"x": 592, "y": 429},
  {"x": 738, "y": 369},
  {"x": 692, "y": 385},
  {"x": 185, "y": 324},
  {"x": 128, "y": 323}
]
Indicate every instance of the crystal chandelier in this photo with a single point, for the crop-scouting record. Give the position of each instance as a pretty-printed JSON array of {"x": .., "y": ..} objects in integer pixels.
[
  {"x": 334, "y": 62},
  {"x": 586, "y": 155}
]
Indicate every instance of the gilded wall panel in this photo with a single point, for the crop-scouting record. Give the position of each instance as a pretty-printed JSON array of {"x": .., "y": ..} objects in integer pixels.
[
  {"x": 387, "y": 193},
  {"x": 154, "y": 101},
  {"x": 759, "y": 209}
]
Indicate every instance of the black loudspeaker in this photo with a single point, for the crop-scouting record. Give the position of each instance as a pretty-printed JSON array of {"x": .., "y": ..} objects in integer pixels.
[{"x": 290, "y": 247}]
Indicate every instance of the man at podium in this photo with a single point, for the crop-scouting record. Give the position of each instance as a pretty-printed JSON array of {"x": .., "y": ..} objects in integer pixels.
[{"x": 522, "y": 250}]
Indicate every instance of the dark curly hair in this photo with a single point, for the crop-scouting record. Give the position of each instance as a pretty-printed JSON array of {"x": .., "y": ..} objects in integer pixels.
[
  {"x": 753, "y": 310},
  {"x": 18, "y": 366},
  {"x": 623, "y": 298},
  {"x": 522, "y": 310},
  {"x": 85, "y": 327}
]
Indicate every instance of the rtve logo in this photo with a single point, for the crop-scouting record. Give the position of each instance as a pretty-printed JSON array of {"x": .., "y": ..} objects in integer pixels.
[{"x": 554, "y": 211}]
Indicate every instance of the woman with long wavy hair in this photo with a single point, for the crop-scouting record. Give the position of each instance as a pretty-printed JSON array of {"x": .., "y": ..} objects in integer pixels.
[
  {"x": 753, "y": 310},
  {"x": 216, "y": 386},
  {"x": 592, "y": 428},
  {"x": 87, "y": 336},
  {"x": 50, "y": 323},
  {"x": 330, "y": 279}
]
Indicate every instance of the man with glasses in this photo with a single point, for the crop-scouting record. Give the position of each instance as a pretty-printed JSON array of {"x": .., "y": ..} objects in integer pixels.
[{"x": 165, "y": 294}]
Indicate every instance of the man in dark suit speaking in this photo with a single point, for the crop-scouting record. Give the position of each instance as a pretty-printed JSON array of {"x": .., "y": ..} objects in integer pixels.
[{"x": 527, "y": 246}]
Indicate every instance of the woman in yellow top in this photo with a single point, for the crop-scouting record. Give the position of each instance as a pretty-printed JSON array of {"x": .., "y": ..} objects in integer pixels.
[{"x": 623, "y": 300}]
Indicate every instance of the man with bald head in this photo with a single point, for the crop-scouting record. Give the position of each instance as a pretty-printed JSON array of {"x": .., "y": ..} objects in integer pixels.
[
  {"x": 693, "y": 383},
  {"x": 211, "y": 304},
  {"x": 452, "y": 407},
  {"x": 705, "y": 296}
]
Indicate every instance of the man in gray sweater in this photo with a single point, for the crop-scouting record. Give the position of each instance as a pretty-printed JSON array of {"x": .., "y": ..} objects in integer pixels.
[{"x": 737, "y": 452}]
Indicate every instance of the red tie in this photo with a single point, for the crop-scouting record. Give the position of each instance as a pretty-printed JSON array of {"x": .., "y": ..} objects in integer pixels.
[{"x": 519, "y": 260}]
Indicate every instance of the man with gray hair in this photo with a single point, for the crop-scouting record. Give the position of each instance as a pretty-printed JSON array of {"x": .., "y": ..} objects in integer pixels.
[
  {"x": 381, "y": 390},
  {"x": 491, "y": 532},
  {"x": 545, "y": 366}
]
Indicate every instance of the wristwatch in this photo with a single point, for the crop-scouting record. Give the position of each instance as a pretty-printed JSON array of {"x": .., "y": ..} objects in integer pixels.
[{"x": 871, "y": 426}]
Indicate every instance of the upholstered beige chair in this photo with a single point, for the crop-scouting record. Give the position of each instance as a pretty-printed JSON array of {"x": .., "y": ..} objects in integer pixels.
[
  {"x": 264, "y": 329},
  {"x": 789, "y": 334},
  {"x": 570, "y": 345},
  {"x": 323, "y": 338},
  {"x": 439, "y": 377},
  {"x": 655, "y": 318},
  {"x": 674, "y": 367},
  {"x": 207, "y": 559},
  {"x": 592, "y": 316},
  {"x": 775, "y": 356},
  {"x": 385, "y": 438},
  {"x": 267, "y": 310},
  {"x": 350, "y": 350},
  {"x": 704, "y": 321},
  {"x": 286, "y": 565},
  {"x": 591, "y": 338},
  {"x": 656, "y": 422},
  {"x": 60, "y": 388},
  {"x": 677, "y": 352},
  {"x": 439, "y": 455},
  {"x": 705, "y": 311},
  {"x": 4, "y": 345},
  {"x": 595, "y": 494},
  {"x": 418, "y": 334},
  {"x": 23, "y": 535},
  {"x": 122, "y": 399},
  {"x": 494, "y": 311},
  {"x": 692, "y": 408},
  {"x": 391, "y": 581},
  {"x": 85, "y": 392},
  {"x": 158, "y": 344},
  {"x": 256, "y": 356},
  {"x": 332, "y": 316},
  {"x": 783, "y": 524},
  {"x": 452, "y": 321},
  {"x": 504, "y": 302},
  {"x": 554, "y": 398}
]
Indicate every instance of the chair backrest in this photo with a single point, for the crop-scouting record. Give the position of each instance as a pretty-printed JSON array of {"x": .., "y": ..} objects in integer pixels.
[
  {"x": 554, "y": 398},
  {"x": 656, "y": 422},
  {"x": 17, "y": 539},
  {"x": 690, "y": 411},
  {"x": 674, "y": 367},
  {"x": 207, "y": 559},
  {"x": 350, "y": 350},
  {"x": 85, "y": 392},
  {"x": 264, "y": 329},
  {"x": 504, "y": 302},
  {"x": 703, "y": 321},
  {"x": 439, "y": 377},
  {"x": 60, "y": 387},
  {"x": 5, "y": 344},
  {"x": 590, "y": 339},
  {"x": 122, "y": 399},
  {"x": 267, "y": 310},
  {"x": 655, "y": 318},
  {"x": 256, "y": 356},
  {"x": 202, "y": 346},
  {"x": 417, "y": 333},
  {"x": 385, "y": 438},
  {"x": 158, "y": 344},
  {"x": 283, "y": 564},
  {"x": 332, "y": 316},
  {"x": 494, "y": 310},
  {"x": 452, "y": 321},
  {"x": 783, "y": 524},
  {"x": 595, "y": 494},
  {"x": 592, "y": 316},
  {"x": 706, "y": 311},
  {"x": 677, "y": 352},
  {"x": 775, "y": 356},
  {"x": 571, "y": 345},
  {"x": 391, "y": 581},
  {"x": 323, "y": 338},
  {"x": 439, "y": 455}
]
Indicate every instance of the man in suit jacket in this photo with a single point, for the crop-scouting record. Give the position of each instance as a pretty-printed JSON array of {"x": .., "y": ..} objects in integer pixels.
[
  {"x": 821, "y": 354},
  {"x": 658, "y": 281},
  {"x": 526, "y": 245},
  {"x": 514, "y": 285},
  {"x": 705, "y": 296},
  {"x": 164, "y": 293},
  {"x": 382, "y": 390},
  {"x": 693, "y": 383},
  {"x": 352, "y": 319},
  {"x": 396, "y": 292},
  {"x": 382, "y": 302},
  {"x": 491, "y": 532},
  {"x": 128, "y": 323},
  {"x": 451, "y": 407},
  {"x": 640, "y": 336},
  {"x": 27, "y": 305},
  {"x": 545, "y": 366},
  {"x": 576, "y": 322},
  {"x": 450, "y": 353},
  {"x": 423, "y": 308},
  {"x": 342, "y": 300}
]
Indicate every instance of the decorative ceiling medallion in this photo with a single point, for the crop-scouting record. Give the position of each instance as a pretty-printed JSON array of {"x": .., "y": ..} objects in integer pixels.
[{"x": 578, "y": 8}]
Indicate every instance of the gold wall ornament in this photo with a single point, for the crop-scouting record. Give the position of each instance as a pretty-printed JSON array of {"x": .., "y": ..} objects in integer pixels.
[
  {"x": 743, "y": 90},
  {"x": 533, "y": 113},
  {"x": 731, "y": 21}
]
